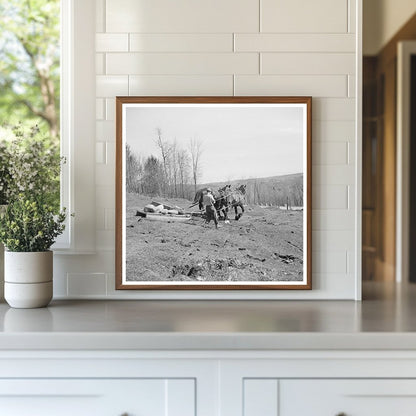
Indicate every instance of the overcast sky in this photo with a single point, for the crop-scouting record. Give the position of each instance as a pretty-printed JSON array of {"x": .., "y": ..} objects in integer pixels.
[{"x": 238, "y": 142}]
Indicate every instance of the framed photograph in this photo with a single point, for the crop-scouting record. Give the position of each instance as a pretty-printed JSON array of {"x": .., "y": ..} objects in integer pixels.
[{"x": 213, "y": 193}]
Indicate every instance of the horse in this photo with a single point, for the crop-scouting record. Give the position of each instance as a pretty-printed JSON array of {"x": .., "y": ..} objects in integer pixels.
[
  {"x": 237, "y": 199},
  {"x": 221, "y": 200}
]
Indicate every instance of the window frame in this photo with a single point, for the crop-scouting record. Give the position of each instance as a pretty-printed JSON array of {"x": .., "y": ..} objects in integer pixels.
[{"x": 77, "y": 89}]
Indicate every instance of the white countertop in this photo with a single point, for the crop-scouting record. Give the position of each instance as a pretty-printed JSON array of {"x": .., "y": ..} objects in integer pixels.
[{"x": 384, "y": 320}]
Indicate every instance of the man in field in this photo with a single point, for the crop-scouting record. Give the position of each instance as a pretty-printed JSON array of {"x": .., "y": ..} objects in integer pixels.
[{"x": 209, "y": 203}]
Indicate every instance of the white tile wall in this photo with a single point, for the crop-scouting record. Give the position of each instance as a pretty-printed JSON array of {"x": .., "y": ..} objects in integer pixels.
[
  {"x": 181, "y": 85},
  {"x": 181, "y": 63},
  {"x": 183, "y": 42},
  {"x": 182, "y": 16},
  {"x": 316, "y": 63},
  {"x": 284, "y": 42},
  {"x": 233, "y": 47},
  {"x": 300, "y": 16}
]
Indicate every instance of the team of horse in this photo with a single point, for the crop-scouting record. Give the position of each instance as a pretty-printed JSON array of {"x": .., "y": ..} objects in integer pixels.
[{"x": 225, "y": 199}]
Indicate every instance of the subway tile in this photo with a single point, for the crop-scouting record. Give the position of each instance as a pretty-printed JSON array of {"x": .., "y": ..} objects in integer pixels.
[
  {"x": 111, "y": 153},
  {"x": 333, "y": 219},
  {"x": 100, "y": 153},
  {"x": 100, "y": 218},
  {"x": 110, "y": 218},
  {"x": 330, "y": 153},
  {"x": 111, "y": 86},
  {"x": 182, "y": 63},
  {"x": 182, "y": 42},
  {"x": 333, "y": 130},
  {"x": 311, "y": 42},
  {"x": 333, "y": 240},
  {"x": 105, "y": 131},
  {"x": 105, "y": 240},
  {"x": 105, "y": 175},
  {"x": 99, "y": 109},
  {"x": 112, "y": 42},
  {"x": 86, "y": 284},
  {"x": 166, "y": 16},
  {"x": 333, "y": 175},
  {"x": 329, "y": 262},
  {"x": 351, "y": 261},
  {"x": 99, "y": 63},
  {"x": 330, "y": 109},
  {"x": 352, "y": 19},
  {"x": 300, "y": 16},
  {"x": 307, "y": 63},
  {"x": 181, "y": 85},
  {"x": 100, "y": 15},
  {"x": 310, "y": 85},
  {"x": 105, "y": 196},
  {"x": 351, "y": 86},
  {"x": 330, "y": 197},
  {"x": 110, "y": 109}
]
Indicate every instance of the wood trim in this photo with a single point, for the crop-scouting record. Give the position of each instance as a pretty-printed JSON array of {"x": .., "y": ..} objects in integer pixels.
[
  {"x": 211, "y": 100},
  {"x": 389, "y": 51}
]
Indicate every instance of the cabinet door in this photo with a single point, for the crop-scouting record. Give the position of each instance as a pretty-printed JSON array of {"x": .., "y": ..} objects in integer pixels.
[
  {"x": 347, "y": 397},
  {"x": 86, "y": 397}
]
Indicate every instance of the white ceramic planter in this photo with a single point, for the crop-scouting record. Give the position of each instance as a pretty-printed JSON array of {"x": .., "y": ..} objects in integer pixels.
[
  {"x": 2, "y": 210},
  {"x": 28, "y": 279}
]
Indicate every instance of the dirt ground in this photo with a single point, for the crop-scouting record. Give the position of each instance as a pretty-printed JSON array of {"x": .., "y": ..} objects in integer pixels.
[{"x": 264, "y": 245}]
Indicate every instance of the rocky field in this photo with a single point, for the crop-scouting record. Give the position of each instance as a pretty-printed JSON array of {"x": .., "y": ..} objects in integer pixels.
[{"x": 264, "y": 245}]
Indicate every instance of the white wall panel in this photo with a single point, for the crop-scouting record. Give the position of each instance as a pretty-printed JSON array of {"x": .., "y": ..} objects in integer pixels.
[
  {"x": 309, "y": 63},
  {"x": 100, "y": 64},
  {"x": 110, "y": 86},
  {"x": 183, "y": 42},
  {"x": 323, "y": 130},
  {"x": 333, "y": 175},
  {"x": 181, "y": 63},
  {"x": 330, "y": 196},
  {"x": 313, "y": 85},
  {"x": 86, "y": 284},
  {"x": 284, "y": 42},
  {"x": 181, "y": 85},
  {"x": 182, "y": 16},
  {"x": 330, "y": 153},
  {"x": 300, "y": 16},
  {"x": 331, "y": 109},
  {"x": 112, "y": 42},
  {"x": 332, "y": 220}
]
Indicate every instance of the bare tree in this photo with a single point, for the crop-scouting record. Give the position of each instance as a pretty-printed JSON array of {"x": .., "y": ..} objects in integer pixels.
[
  {"x": 165, "y": 151},
  {"x": 183, "y": 169},
  {"x": 133, "y": 171},
  {"x": 195, "y": 147}
]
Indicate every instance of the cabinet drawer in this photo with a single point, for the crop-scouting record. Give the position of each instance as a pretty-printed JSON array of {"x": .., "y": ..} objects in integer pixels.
[
  {"x": 349, "y": 397},
  {"x": 86, "y": 397}
]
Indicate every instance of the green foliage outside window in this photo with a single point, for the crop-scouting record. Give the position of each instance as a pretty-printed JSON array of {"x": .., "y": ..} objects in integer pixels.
[{"x": 29, "y": 89}]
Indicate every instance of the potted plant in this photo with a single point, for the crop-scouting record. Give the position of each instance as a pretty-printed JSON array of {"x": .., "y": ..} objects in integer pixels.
[
  {"x": 32, "y": 220},
  {"x": 28, "y": 229},
  {"x": 5, "y": 180}
]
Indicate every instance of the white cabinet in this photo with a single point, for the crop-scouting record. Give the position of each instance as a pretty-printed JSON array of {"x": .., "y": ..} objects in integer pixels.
[
  {"x": 207, "y": 383},
  {"x": 97, "y": 397},
  {"x": 349, "y": 397}
]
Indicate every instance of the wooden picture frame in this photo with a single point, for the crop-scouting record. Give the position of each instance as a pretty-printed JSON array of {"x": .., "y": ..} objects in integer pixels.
[{"x": 253, "y": 150}]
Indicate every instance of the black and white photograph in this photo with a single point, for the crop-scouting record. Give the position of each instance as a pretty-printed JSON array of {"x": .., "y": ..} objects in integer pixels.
[{"x": 213, "y": 193}]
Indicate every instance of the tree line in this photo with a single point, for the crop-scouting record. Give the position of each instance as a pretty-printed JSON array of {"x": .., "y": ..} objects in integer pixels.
[{"x": 173, "y": 173}]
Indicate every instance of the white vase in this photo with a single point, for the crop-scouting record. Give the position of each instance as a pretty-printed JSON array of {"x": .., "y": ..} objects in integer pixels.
[{"x": 28, "y": 278}]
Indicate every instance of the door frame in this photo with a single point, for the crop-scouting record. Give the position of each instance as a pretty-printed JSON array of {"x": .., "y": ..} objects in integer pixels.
[{"x": 404, "y": 51}]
